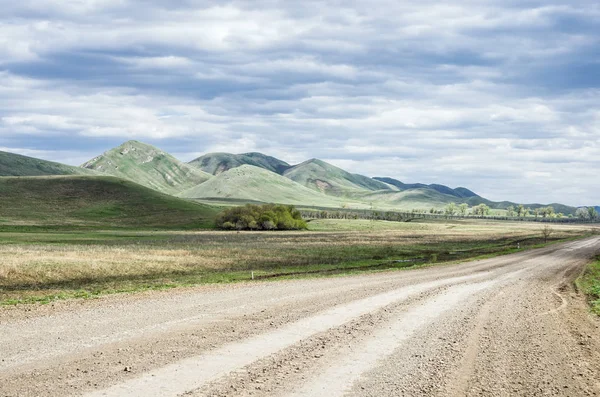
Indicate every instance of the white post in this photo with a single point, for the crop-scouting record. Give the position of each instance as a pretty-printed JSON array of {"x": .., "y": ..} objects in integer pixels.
[{"x": 252, "y": 275}]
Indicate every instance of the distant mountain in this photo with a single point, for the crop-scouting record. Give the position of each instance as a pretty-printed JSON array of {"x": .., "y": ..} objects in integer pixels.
[
  {"x": 148, "y": 166},
  {"x": 248, "y": 182},
  {"x": 465, "y": 193},
  {"x": 329, "y": 179},
  {"x": 409, "y": 199},
  {"x": 12, "y": 164},
  {"x": 216, "y": 163},
  {"x": 95, "y": 202},
  {"x": 256, "y": 177},
  {"x": 459, "y": 192}
]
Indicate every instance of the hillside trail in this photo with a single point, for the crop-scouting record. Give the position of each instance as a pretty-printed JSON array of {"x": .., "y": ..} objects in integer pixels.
[{"x": 511, "y": 325}]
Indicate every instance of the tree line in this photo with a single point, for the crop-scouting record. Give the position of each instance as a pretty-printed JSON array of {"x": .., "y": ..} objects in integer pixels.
[{"x": 451, "y": 210}]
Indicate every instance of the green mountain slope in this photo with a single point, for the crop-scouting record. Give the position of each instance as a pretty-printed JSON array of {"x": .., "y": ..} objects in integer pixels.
[
  {"x": 95, "y": 202},
  {"x": 252, "y": 183},
  {"x": 148, "y": 166},
  {"x": 407, "y": 200},
  {"x": 12, "y": 164},
  {"x": 459, "y": 192},
  {"x": 216, "y": 163},
  {"x": 329, "y": 179}
]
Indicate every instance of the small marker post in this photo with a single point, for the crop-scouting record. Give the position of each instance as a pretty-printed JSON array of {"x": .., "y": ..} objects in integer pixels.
[{"x": 252, "y": 275}]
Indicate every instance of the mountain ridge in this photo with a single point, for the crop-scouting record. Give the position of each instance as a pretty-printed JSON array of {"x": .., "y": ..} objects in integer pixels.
[
  {"x": 13, "y": 164},
  {"x": 321, "y": 176},
  {"x": 248, "y": 182},
  {"x": 148, "y": 166},
  {"x": 218, "y": 162},
  {"x": 312, "y": 182},
  {"x": 460, "y": 192}
]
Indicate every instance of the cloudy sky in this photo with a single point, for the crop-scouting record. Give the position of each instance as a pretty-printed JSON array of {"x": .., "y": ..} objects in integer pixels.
[{"x": 500, "y": 96}]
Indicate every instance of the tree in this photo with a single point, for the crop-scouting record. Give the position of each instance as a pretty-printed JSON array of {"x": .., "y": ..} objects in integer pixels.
[
  {"x": 547, "y": 212},
  {"x": 582, "y": 213},
  {"x": 546, "y": 232},
  {"x": 261, "y": 217},
  {"x": 481, "y": 210},
  {"x": 521, "y": 210},
  {"x": 510, "y": 211},
  {"x": 463, "y": 208},
  {"x": 536, "y": 212},
  {"x": 592, "y": 213},
  {"x": 450, "y": 209}
]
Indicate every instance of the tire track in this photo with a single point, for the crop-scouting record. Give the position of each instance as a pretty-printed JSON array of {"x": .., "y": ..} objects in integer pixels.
[
  {"x": 459, "y": 381},
  {"x": 190, "y": 374}
]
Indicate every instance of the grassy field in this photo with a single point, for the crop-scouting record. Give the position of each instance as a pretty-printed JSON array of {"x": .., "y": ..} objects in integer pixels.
[
  {"x": 589, "y": 283},
  {"x": 94, "y": 202},
  {"x": 40, "y": 267}
]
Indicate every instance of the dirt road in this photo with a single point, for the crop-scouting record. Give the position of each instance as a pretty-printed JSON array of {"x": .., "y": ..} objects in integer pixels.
[{"x": 511, "y": 325}]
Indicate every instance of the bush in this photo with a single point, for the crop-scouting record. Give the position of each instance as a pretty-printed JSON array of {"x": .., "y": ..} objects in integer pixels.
[{"x": 261, "y": 217}]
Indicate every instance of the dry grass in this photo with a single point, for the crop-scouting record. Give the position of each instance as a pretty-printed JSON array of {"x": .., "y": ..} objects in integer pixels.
[{"x": 43, "y": 265}]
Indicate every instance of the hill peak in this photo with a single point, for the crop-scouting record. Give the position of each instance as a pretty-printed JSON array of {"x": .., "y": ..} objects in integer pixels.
[
  {"x": 459, "y": 192},
  {"x": 217, "y": 163},
  {"x": 148, "y": 166},
  {"x": 136, "y": 145},
  {"x": 327, "y": 178}
]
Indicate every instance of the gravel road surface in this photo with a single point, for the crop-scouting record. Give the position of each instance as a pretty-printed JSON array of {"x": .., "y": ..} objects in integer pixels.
[{"x": 511, "y": 325}]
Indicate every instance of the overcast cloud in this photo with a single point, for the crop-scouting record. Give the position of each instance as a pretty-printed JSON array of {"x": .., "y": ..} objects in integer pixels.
[{"x": 502, "y": 97}]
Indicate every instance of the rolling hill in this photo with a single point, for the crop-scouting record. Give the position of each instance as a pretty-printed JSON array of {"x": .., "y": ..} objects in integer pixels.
[
  {"x": 407, "y": 200},
  {"x": 95, "y": 202},
  {"x": 331, "y": 180},
  {"x": 459, "y": 192},
  {"x": 148, "y": 166},
  {"x": 251, "y": 177},
  {"x": 251, "y": 183},
  {"x": 12, "y": 164},
  {"x": 216, "y": 163}
]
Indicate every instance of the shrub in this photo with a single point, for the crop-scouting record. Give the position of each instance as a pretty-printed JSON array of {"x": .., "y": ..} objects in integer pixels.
[{"x": 261, "y": 217}]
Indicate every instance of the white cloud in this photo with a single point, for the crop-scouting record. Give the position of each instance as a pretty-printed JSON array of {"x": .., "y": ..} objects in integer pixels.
[{"x": 469, "y": 93}]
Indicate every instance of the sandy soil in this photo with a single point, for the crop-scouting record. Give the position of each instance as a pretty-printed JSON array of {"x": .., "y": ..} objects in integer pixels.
[{"x": 511, "y": 325}]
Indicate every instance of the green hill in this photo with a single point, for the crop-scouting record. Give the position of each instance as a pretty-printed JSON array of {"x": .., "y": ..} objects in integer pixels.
[
  {"x": 148, "y": 166},
  {"x": 249, "y": 177},
  {"x": 406, "y": 200},
  {"x": 329, "y": 179},
  {"x": 252, "y": 183},
  {"x": 12, "y": 164},
  {"x": 216, "y": 163},
  {"x": 95, "y": 202},
  {"x": 459, "y": 192}
]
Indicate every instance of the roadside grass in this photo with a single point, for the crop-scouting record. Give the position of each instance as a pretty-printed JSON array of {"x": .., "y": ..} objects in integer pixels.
[
  {"x": 42, "y": 267},
  {"x": 589, "y": 284}
]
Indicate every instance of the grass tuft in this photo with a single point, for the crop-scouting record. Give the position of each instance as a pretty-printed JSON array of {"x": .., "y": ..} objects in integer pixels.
[{"x": 589, "y": 284}]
